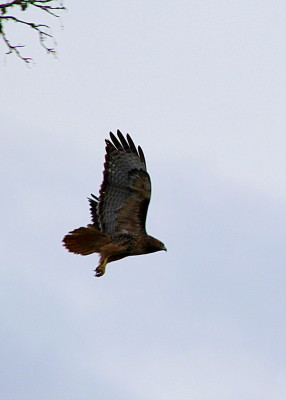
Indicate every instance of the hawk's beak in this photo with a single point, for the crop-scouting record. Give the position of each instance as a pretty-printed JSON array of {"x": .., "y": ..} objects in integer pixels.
[{"x": 164, "y": 248}]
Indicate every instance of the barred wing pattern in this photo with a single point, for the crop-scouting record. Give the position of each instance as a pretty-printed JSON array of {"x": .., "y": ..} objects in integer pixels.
[{"x": 126, "y": 189}]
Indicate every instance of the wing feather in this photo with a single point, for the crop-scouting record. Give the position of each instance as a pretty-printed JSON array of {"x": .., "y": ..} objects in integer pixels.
[
  {"x": 141, "y": 155},
  {"x": 93, "y": 204},
  {"x": 131, "y": 144},
  {"x": 115, "y": 141},
  {"x": 123, "y": 141}
]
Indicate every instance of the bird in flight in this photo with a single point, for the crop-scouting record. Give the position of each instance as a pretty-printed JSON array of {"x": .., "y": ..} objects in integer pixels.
[{"x": 119, "y": 213}]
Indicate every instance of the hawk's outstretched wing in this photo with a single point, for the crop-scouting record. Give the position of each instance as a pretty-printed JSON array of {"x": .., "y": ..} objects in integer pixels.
[{"x": 126, "y": 188}]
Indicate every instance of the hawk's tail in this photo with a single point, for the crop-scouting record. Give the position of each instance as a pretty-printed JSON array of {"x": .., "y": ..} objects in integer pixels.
[{"x": 85, "y": 241}]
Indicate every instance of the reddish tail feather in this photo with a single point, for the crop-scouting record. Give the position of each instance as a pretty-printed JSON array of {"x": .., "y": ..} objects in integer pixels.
[{"x": 85, "y": 241}]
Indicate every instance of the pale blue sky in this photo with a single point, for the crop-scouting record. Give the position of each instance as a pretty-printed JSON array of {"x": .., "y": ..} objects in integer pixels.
[{"x": 201, "y": 87}]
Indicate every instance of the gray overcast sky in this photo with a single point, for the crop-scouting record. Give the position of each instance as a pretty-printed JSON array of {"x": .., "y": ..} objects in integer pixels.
[{"x": 200, "y": 85}]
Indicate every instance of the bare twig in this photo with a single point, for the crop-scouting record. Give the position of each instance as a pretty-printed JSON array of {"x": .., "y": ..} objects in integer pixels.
[
  {"x": 47, "y": 8},
  {"x": 14, "y": 49}
]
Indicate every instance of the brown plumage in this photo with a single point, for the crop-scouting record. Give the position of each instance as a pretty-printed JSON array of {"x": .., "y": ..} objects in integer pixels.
[{"x": 119, "y": 214}]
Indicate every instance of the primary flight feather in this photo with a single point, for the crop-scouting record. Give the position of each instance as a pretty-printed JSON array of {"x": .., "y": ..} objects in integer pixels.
[{"x": 119, "y": 214}]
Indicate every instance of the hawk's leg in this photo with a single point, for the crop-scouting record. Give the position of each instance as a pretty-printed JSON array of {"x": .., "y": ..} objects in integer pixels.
[{"x": 100, "y": 270}]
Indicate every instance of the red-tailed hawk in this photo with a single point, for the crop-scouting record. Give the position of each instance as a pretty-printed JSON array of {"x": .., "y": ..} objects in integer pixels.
[{"x": 119, "y": 214}]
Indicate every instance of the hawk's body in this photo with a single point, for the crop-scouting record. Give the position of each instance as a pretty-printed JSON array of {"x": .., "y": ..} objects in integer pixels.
[{"x": 119, "y": 214}]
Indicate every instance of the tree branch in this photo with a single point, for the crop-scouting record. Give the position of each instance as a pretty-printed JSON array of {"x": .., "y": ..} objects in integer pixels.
[
  {"x": 47, "y": 6},
  {"x": 14, "y": 48}
]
